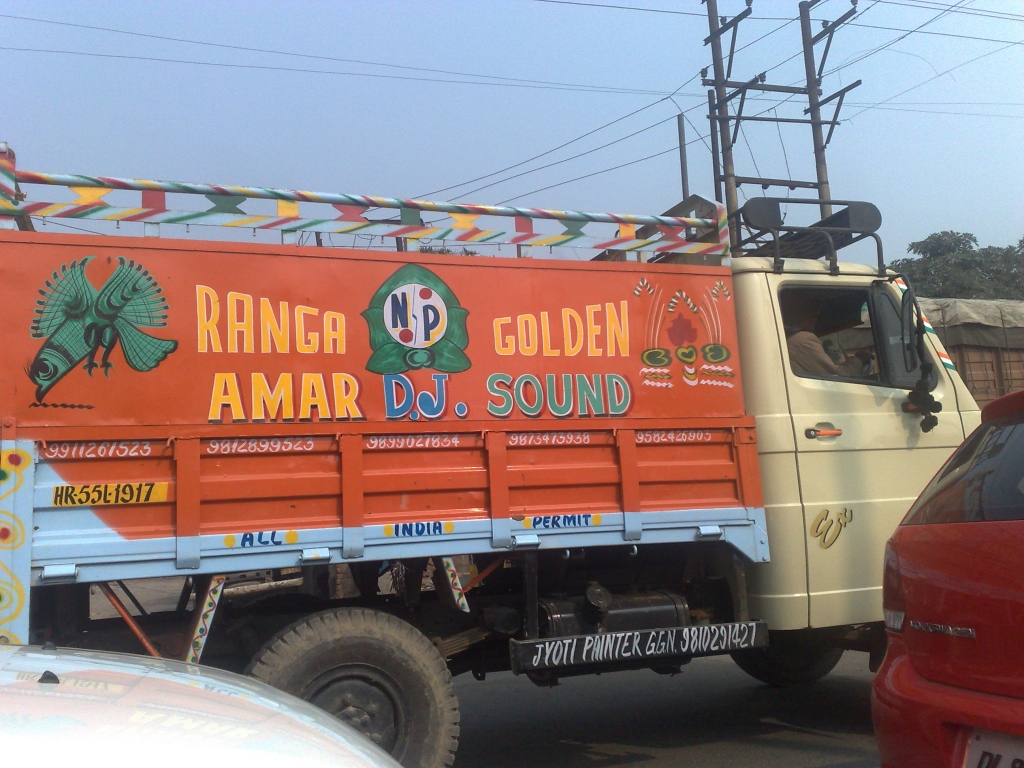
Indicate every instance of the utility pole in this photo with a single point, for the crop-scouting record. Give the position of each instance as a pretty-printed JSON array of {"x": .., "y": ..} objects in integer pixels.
[
  {"x": 813, "y": 107},
  {"x": 725, "y": 127},
  {"x": 728, "y": 169},
  {"x": 681, "y": 127},
  {"x": 714, "y": 146}
]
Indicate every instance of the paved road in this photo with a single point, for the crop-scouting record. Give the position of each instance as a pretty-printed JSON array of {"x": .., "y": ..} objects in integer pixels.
[{"x": 711, "y": 715}]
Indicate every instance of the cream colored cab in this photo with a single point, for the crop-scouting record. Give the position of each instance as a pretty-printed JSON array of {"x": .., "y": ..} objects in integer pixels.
[{"x": 841, "y": 462}]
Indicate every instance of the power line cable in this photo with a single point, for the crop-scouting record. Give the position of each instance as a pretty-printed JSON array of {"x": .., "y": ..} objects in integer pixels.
[
  {"x": 606, "y": 170},
  {"x": 785, "y": 156},
  {"x": 542, "y": 154},
  {"x": 980, "y": 12},
  {"x": 564, "y": 144},
  {"x": 296, "y": 54},
  {"x": 930, "y": 79},
  {"x": 610, "y": 6},
  {"x": 578, "y": 138},
  {"x": 702, "y": 138},
  {"x": 566, "y": 160},
  {"x": 984, "y": 13},
  {"x": 933, "y": 33},
  {"x": 938, "y": 112},
  {"x": 595, "y": 173},
  {"x": 952, "y": 103},
  {"x": 622, "y": 7},
  {"x": 762, "y": 37},
  {"x": 892, "y": 42},
  {"x": 264, "y": 67},
  {"x": 751, "y": 151}
]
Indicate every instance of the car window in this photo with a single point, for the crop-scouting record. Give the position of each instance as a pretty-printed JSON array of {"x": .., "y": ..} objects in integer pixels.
[
  {"x": 829, "y": 333},
  {"x": 982, "y": 481}
]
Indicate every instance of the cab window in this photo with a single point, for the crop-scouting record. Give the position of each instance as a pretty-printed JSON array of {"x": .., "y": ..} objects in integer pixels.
[{"x": 845, "y": 334}]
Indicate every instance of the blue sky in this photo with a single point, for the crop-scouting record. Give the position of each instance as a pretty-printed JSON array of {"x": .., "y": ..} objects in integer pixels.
[{"x": 925, "y": 168}]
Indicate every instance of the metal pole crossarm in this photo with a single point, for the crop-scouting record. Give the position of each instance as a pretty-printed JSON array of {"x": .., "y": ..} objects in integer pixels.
[
  {"x": 757, "y": 119},
  {"x": 838, "y": 94},
  {"x": 742, "y": 90},
  {"x": 765, "y": 183},
  {"x": 709, "y": 83},
  {"x": 362, "y": 201},
  {"x": 830, "y": 28},
  {"x": 729, "y": 24},
  {"x": 829, "y": 31}
]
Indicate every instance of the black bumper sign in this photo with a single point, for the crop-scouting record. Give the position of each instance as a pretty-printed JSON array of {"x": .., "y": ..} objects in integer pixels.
[{"x": 636, "y": 645}]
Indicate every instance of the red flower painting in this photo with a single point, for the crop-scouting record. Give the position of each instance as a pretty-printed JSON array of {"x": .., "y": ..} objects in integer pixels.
[{"x": 682, "y": 332}]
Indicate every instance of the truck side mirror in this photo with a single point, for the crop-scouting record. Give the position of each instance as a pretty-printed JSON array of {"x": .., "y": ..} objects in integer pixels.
[{"x": 908, "y": 329}]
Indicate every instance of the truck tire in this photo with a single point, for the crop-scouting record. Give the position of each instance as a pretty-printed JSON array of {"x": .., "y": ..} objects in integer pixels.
[
  {"x": 374, "y": 672},
  {"x": 791, "y": 658}
]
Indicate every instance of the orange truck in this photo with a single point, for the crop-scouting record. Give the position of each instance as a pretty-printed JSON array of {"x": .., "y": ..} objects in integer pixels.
[{"x": 379, "y": 468}]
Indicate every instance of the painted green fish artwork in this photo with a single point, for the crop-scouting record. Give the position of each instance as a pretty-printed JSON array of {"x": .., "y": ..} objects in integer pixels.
[{"x": 78, "y": 321}]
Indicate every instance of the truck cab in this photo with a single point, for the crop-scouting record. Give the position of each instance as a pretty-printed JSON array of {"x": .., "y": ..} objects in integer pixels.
[{"x": 843, "y": 451}]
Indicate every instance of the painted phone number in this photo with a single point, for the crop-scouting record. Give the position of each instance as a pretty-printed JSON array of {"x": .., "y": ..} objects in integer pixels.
[
  {"x": 674, "y": 436},
  {"x": 549, "y": 438},
  {"x": 387, "y": 442},
  {"x": 261, "y": 445},
  {"x": 94, "y": 450}
]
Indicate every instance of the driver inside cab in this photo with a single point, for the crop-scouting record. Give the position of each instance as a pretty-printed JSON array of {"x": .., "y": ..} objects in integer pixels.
[{"x": 807, "y": 355}]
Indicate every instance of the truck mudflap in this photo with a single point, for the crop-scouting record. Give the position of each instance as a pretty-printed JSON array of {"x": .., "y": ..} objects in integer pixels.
[{"x": 636, "y": 645}]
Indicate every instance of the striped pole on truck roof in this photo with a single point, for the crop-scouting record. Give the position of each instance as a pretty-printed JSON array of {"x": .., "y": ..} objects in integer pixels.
[{"x": 361, "y": 201}]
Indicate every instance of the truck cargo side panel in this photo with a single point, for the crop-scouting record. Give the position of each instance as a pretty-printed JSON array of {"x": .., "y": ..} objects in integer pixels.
[{"x": 219, "y": 407}]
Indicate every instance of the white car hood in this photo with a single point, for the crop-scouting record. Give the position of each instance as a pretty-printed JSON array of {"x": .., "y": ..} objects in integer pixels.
[{"x": 115, "y": 710}]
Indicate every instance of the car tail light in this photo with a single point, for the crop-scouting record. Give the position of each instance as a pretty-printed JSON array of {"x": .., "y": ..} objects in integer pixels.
[{"x": 894, "y": 606}]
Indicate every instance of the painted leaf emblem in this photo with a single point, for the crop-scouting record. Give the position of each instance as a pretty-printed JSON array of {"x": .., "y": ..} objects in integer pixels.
[{"x": 427, "y": 324}]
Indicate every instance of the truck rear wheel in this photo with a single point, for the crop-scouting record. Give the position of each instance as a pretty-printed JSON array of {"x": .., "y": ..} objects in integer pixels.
[
  {"x": 791, "y": 658},
  {"x": 374, "y": 672}
]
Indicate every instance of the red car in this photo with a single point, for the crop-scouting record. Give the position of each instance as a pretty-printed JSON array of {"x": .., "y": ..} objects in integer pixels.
[{"x": 951, "y": 689}]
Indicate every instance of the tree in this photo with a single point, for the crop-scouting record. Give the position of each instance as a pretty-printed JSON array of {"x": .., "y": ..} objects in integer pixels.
[{"x": 950, "y": 265}]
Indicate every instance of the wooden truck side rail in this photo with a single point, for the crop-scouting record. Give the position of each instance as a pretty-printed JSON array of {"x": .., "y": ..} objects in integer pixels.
[{"x": 233, "y": 504}]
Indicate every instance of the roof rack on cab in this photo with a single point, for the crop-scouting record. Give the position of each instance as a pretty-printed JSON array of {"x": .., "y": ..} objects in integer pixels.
[{"x": 772, "y": 237}]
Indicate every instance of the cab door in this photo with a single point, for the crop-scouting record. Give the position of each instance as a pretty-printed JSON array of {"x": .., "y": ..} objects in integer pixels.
[{"x": 861, "y": 460}]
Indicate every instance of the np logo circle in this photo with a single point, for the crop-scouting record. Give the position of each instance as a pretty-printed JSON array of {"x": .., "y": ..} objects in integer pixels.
[{"x": 415, "y": 316}]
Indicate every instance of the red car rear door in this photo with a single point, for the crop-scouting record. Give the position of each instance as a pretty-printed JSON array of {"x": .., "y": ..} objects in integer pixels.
[{"x": 961, "y": 562}]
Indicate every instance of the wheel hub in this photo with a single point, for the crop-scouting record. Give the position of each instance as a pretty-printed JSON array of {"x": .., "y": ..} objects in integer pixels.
[{"x": 364, "y": 700}]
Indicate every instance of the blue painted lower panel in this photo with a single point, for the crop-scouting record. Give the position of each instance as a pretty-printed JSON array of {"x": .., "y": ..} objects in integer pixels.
[{"x": 102, "y": 555}]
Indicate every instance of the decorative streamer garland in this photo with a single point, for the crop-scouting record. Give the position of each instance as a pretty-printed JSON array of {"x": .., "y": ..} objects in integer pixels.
[{"x": 671, "y": 235}]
